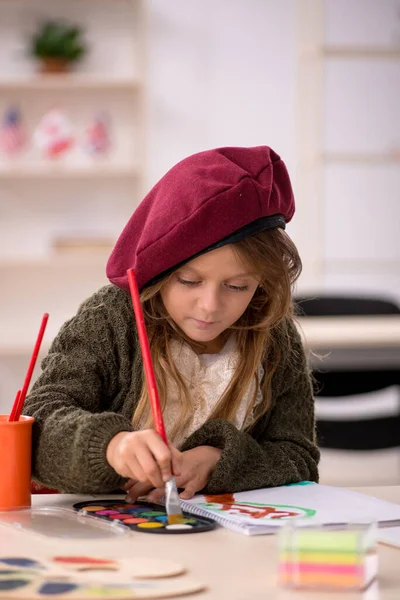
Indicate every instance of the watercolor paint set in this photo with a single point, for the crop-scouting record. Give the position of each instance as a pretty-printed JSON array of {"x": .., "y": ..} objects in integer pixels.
[{"x": 143, "y": 516}]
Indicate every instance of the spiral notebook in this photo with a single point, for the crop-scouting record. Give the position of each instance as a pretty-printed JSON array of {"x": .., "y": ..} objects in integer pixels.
[{"x": 263, "y": 511}]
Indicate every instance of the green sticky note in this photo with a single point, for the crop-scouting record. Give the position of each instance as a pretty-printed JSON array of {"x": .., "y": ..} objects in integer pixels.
[
  {"x": 335, "y": 541},
  {"x": 323, "y": 541}
]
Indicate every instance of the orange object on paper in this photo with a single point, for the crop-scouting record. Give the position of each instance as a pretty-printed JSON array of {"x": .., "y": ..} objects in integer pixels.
[{"x": 15, "y": 462}]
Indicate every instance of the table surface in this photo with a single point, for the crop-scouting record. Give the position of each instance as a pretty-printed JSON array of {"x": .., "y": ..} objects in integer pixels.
[
  {"x": 352, "y": 342},
  {"x": 232, "y": 565},
  {"x": 351, "y": 331}
]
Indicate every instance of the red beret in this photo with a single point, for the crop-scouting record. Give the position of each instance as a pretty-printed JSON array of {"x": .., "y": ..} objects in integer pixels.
[{"x": 206, "y": 200}]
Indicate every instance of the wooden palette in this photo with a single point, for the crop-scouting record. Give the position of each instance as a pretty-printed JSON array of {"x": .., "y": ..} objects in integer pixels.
[
  {"x": 88, "y": 577},
  {"x": 143, "y": 516}
]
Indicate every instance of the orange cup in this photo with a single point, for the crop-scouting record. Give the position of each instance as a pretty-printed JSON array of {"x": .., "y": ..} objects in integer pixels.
[{"x": 15, "y": 463}]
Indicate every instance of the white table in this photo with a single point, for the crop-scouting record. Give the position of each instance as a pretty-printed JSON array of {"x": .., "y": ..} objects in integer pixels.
[
  {"x": 351, "y": 342},
  {"x": 234, "y": 566}
]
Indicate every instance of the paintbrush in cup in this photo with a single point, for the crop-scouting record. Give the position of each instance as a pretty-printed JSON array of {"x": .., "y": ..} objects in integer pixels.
[
  {"x": 172, "y": 501},
  {"x": 20, "y": 397}
]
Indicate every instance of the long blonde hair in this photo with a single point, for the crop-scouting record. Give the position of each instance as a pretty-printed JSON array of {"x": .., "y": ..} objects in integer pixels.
[{"x": 274, "y": 257}]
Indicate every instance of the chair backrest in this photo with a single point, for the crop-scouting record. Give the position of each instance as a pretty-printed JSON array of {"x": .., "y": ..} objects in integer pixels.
[{"x": 364, "y": 433}]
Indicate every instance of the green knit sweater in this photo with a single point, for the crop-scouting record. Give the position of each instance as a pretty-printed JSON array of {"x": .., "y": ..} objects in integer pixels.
[{"x": 91, "y": 383}]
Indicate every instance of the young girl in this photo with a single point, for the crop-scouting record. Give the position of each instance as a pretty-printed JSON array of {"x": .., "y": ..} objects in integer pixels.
[{"x": 215, "y": 270}]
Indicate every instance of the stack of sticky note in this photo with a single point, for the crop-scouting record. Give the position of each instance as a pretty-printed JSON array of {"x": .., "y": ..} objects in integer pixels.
[{"x": 312, "y": 557}]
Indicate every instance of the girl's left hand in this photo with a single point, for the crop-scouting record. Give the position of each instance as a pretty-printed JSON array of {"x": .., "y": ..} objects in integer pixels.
[{"x": 197, "y": 466}]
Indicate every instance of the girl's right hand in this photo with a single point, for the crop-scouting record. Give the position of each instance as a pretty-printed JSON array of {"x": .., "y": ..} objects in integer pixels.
[{"x": 143, "y": 456}]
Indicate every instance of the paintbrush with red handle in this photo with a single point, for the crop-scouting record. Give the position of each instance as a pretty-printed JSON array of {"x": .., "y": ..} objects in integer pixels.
[
  {"x": 20, "y": 398},
  {"x": 172, "y": 502}
]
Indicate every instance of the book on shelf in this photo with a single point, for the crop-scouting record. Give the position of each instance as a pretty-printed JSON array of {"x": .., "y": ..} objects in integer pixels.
[{"x": 79, "y": 245}]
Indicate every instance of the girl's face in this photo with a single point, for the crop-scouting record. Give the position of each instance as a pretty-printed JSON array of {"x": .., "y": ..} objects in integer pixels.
[{"x": 209, "y": 294}]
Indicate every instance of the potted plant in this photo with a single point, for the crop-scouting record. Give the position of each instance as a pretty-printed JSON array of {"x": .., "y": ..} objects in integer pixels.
[{"x": 57, "y": 45}]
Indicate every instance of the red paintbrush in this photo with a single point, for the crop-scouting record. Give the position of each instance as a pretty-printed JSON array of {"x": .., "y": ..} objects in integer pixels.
[
  {"x": 20, "y": 397},
  {"x": 172, "y": 502}
]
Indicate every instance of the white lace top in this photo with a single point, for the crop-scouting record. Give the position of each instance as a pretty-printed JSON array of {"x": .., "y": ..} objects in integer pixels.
[{"x": 207, "y": 376}]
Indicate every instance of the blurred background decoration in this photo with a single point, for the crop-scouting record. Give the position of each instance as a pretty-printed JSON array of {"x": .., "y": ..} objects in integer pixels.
[
  {"x": 97, "y": 140},
  {"x": 317, "y": 80},
  {"x": 57, "y": 46},
  {"x": 53, "y": 134},
  {"x": 12, "y": 137}
]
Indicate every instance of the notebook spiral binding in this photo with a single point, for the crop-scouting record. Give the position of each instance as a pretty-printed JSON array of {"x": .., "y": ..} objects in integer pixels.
[{"x": 201, "y": 512}]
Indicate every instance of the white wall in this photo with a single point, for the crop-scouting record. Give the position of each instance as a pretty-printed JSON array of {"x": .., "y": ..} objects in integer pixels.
[
  {"x": 227, "y": 72},
  {"x": 220, "y": 73},
  {"x": 362, "y": 198}
]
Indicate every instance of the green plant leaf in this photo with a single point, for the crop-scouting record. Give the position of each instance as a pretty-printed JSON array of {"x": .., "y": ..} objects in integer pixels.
[{"x": 57, "y": 39}]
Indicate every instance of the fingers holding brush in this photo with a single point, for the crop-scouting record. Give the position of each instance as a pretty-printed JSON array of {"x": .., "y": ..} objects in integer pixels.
[
  {"x": 139, "y": 489},
  {"x": 142, "y": 456},
  {"x": 154, "y": 457}
]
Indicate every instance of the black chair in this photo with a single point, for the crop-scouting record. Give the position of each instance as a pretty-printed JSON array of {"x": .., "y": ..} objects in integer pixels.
[{"x": 363, "y": 433}]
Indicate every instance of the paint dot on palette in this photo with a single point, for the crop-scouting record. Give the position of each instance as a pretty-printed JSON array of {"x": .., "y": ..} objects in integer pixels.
[
  {"x": 120, "y": 516},
  {"x": 13, "y": 584},
  {"x": 177, "y": 526},
  {"x": 135, "y": 521},
  {"x": 151, "y": 525},
  {"x": 153, "y": 513},
  {"x": 192, "y": 521},
  {"x": 93, "y": 508},
  {"x": 86, "y": 560},
  {"x": 107, "y": 512},
  {"x": 57, "y": 587},
  {"x": 162, "y": 518},
  {"x": 17, "y": 561},
  {"x": 109, "y": 591}
]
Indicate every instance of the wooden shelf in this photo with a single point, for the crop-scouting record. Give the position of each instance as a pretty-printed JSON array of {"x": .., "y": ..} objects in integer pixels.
[
  {"x": 58, "y": 279},
  {"x": 362, "y": 52},
  {"x": 57, "y": 261},
  {"x": 97, "y": 170},
  {"x": 67, "y": 82}
]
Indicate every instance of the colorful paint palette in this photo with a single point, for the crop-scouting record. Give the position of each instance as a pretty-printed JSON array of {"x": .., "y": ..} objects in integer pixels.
[
  {"x": 87, "y": 577},
  {"x": 143, "y": 516}
]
